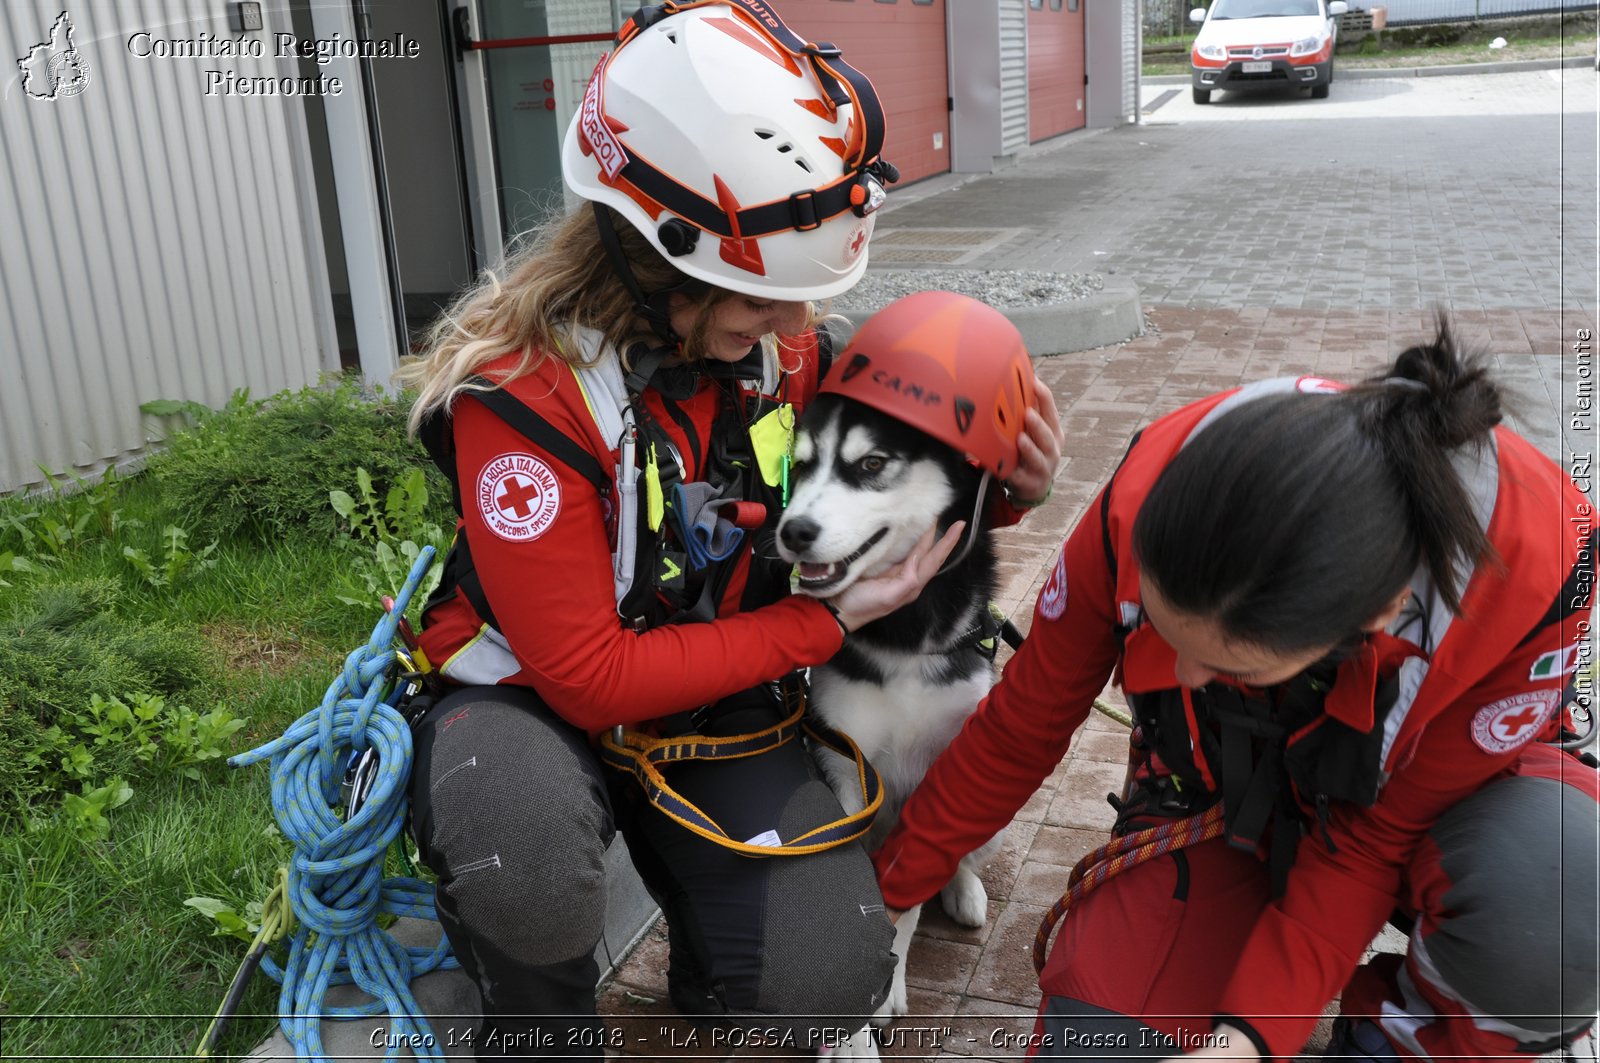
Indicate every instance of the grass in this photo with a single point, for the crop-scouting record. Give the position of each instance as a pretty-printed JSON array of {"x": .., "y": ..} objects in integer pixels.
[
  {"x": 99, "y": 957},
  {"x": 1371, "y": 58}
]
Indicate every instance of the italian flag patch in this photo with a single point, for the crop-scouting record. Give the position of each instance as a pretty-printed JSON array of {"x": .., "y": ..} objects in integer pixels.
[{"x": 1557, "y": 662}]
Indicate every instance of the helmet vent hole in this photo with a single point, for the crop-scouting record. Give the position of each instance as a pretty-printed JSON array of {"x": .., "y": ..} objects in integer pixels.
[
  {"x": 765, "y": 134},
  {"x": 803, "y": 164},
  {"x": 785, "y": 148},
  {"x": 670, "y": 34}
]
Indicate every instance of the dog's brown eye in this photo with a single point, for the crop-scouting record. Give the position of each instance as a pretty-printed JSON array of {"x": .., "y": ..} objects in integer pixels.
[{"x": 872, "y": 463}]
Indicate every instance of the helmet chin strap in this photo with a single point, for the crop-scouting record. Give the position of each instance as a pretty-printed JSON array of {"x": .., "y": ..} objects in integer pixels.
[
  {"x": 970, "y": 535},
  {"x": 653, "y": 308}
]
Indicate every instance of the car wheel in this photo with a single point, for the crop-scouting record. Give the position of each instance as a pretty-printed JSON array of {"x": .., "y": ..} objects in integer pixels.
[
  {"x": 1319, "y": 92},
  {"x": 1201, "y": 95}
]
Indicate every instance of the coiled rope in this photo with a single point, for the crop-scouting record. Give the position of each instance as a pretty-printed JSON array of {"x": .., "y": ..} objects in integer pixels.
[
  {"x": 336, "y": 886},
  {"x": 1117, "y": 856}
]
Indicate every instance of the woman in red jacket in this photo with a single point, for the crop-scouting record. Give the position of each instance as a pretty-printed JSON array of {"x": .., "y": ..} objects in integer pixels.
[
  {"x": 1344, "y": 619},
  {"x": 615, "y": 415}
]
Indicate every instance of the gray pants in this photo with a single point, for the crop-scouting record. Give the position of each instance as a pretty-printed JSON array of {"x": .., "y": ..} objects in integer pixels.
[{"x": 513, "y": 812}]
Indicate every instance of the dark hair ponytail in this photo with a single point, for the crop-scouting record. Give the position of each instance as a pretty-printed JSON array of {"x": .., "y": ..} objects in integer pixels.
[
  {"x": 1295, "y": 518},
  {"x": 1434, "y": 400}
]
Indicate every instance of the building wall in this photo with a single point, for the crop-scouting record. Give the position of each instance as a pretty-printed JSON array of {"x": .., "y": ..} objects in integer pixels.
[
  {"x": 900, "y": 45},
  {"x": 153, "y": 241}
]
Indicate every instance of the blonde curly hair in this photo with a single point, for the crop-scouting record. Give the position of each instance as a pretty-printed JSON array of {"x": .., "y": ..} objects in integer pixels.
[{"x": 560, "y": 282}]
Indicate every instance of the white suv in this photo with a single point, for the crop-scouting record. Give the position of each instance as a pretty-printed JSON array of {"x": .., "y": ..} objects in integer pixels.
[{"x": 1249, "y": 44}]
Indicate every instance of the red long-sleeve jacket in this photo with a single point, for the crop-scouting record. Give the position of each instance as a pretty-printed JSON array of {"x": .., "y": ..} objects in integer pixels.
[
  {"x": 1487, "y": 683},
  {"x": 540, "y": 538}
]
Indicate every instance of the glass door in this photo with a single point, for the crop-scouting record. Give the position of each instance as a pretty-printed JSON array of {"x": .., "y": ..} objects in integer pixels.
[{"x": 526, "y": 63}]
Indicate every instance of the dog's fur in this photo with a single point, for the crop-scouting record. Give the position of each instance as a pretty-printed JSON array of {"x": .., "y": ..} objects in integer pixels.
[{"x": 866, "y": 488}]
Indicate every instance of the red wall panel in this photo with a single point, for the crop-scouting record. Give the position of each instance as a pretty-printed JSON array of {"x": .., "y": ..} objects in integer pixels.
[
  {"x": 1055, "y": 68},
  {"x": 901, "y": 46}
]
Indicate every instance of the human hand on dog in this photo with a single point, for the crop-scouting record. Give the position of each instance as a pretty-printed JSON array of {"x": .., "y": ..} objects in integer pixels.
[
  {"x": 872, "y": 597},
  {"x": 1038, "y": 451}
]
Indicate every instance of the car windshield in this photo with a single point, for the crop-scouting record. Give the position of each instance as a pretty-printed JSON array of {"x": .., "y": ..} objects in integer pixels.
[{"x": 1221, "y": 9}]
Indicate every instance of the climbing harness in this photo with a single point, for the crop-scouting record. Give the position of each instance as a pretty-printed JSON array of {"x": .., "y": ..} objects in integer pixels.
[
  {"x": 641, "y": 755},
  {"x": 340, "y": 833}
]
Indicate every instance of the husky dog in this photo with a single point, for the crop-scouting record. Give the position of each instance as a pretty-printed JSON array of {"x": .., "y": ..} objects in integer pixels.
[{"x": 866, "y": 488}]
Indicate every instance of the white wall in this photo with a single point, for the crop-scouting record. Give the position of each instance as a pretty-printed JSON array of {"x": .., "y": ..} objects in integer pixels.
[{"x": 153, "y": 240}]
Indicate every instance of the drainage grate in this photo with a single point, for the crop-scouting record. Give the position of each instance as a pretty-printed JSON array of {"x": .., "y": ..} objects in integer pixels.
[
  {"x": 895, "y": 256},
  {"x": 942, "y": 246},
  {"x": 963, "y": 238}
]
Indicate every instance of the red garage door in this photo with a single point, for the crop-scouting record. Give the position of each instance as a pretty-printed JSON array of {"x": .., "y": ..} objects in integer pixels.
[
  {"x": 1055, "y": 67},
  {"x": 900, "y": 45}
]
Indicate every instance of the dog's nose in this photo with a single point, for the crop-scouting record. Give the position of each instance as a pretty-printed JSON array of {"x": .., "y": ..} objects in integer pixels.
[{"x": 798, "y": 533}]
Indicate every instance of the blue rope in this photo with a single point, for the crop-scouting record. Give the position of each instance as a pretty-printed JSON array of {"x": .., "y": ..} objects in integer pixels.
[{"x": 336, "y": 883}]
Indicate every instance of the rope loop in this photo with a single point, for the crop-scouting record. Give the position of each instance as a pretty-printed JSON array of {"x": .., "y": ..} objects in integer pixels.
[{"x": 336, "y": 887}]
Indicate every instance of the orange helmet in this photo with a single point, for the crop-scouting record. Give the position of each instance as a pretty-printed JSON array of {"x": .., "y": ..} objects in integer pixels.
[{"x": 948, "y": 365}]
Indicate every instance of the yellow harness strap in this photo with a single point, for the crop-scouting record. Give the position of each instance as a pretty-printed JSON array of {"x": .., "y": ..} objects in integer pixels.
[{"x": 640, "y": 755}]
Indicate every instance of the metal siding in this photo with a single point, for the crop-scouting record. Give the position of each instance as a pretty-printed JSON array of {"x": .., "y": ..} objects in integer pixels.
[
  {"x": 1013, "y": 76},
  {"x": 156, "y": 239},
  {"x": 1132, "y": 25}
]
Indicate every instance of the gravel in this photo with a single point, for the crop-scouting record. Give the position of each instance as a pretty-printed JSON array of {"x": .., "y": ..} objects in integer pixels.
[{"x": 1004, "y": 289}]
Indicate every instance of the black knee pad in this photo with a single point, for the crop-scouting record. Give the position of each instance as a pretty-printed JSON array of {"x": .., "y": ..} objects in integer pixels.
[
  {"x": 829, "y": 944},
  {"x": 510, "y": 811},
  {"x": 1520, "y": 940}
]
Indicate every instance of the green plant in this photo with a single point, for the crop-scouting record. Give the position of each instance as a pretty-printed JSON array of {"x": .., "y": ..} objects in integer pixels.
[
  {"x": 177, "y": 560},
  {"x": 87, "y": 812},
  {"x": 226, "y": 921},
  {"x": 62, "y": 643},
  {"x": 161, "y": 736},
  {"x": 264, "y": 469},
  {"x": 396, "y": 531},
  {"x": 10, "y": 562}
]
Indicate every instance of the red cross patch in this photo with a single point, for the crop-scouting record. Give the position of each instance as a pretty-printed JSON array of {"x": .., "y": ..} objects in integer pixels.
[
  {"x": 855, "y": 243},
  {"x": 518, "y": 496},
  {"x": 1053, "y": 599},
  {"x": 1511, "y": 722}
]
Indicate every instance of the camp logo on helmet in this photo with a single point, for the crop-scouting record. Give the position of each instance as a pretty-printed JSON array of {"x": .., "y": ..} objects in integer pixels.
[
  {"x": 909, "y": 389},
  {"x": 597, "y": 136}
]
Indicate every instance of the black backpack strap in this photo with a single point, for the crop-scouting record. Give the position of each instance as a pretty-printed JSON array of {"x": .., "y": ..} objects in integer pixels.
[
  {"x": 436, "y": 439},
  {"x": 824, "y": 353},
  {"x": 538, "y": 430}
]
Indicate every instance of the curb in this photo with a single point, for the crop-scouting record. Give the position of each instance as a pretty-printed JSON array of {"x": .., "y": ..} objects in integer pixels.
[
  {"x": 1347, "y": 74},
  {"x": 1109, "y": 316}
]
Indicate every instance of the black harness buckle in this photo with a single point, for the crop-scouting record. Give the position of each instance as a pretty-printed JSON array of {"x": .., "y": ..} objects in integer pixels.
[{"x": 803, "y": 209}]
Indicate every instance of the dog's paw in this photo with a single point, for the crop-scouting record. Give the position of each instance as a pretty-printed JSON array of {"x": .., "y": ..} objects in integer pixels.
[
  {"x": 965, "y": 900},
  {"x": 860, "y": 1045}
]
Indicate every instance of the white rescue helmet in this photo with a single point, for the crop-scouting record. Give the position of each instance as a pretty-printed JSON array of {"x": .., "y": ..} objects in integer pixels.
[{"x": 748, "y": 157}]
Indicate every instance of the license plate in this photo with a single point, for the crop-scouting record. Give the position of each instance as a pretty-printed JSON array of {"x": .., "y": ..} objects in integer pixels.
[{"x": 1259, "y": 66}]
